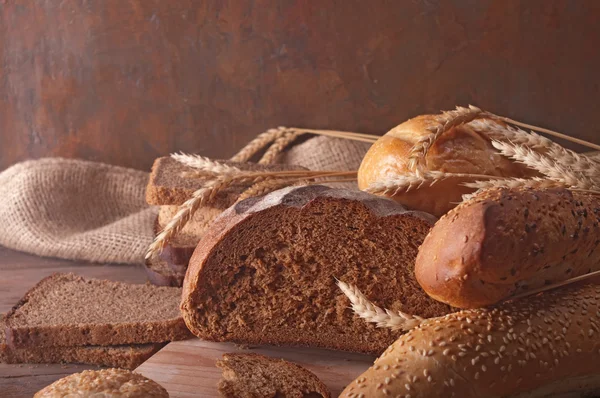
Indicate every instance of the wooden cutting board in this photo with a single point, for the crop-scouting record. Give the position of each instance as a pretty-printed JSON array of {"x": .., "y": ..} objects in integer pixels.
[{"x": 187, "y": 368}]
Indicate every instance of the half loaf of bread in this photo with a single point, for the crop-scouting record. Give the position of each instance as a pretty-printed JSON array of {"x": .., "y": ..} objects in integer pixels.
[{"x": 265, "y": 271}]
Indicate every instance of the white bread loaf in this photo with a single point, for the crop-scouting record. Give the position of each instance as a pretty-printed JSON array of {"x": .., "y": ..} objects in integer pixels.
[
  {"x": 548, "y": 345},
  {"x": 459, "y": 150}
]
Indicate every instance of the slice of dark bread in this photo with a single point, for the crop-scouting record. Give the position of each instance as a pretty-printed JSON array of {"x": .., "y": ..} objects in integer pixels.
[
  {"x": 258, "y": 376},
  {"x": 168, "y": 185},
  {"x": 265, "y": 271},
  {"x": 68, "y": 310},
  {"x": 118, "y": 356}
]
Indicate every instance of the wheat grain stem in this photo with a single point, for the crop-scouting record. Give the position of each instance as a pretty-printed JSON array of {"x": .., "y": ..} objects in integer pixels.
[{"x": 370, "y": 312}]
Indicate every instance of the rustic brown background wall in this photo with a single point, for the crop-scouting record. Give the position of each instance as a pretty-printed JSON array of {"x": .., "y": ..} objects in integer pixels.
[{"x": 124, "y": 81}]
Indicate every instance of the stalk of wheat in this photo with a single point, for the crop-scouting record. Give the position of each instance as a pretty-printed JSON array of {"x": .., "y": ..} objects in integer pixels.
[
  {"x": 444, "y": 122},
  {"x": 545, "y": 165},
  {"x": 406, "y": 182},
  {"x": 278, "y": 146},
  {"x": 202, "y": 163},
  {"x": 374, "y": 314}
]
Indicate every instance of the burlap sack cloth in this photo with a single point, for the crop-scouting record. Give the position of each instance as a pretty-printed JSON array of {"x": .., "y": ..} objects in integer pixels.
[{"x": 82, "y": 210}]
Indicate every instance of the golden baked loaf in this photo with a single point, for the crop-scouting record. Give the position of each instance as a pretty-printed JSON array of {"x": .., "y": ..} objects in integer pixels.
[
  {"x": 542, "y": 346},
  {"x": 504, "y": 242},
  {"x": 459, "y": 150}
]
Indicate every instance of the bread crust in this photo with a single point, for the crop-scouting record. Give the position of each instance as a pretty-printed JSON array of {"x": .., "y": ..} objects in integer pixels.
[
  {"x": 504, "y": 242},
  {"x": 539, "y": 346},
  {"x": 108, "y": 383},
  {"x": 203, "y": 272},
  {"x": 459, "y": 150}
]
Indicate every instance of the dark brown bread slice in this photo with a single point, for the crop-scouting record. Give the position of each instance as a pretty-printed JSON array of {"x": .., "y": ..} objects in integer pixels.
[
  {"x": 168, "y": 186},
  {"x": 265, "y": 271},
  {"x": 68, "y": 310},
  {"x": 258, "y": 376},
  {"x": 118, "y": 356}
]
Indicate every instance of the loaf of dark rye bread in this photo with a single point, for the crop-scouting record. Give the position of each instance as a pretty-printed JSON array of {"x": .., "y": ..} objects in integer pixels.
[
  {"x": 169, "y": 187},
  {"x": 265, "y": 271},
  {"x": 68, "y": 310},
  {"x": 118, "y": 356},
  {"x": 504, "y": 242},
  {"x": 257, "y": 376}
]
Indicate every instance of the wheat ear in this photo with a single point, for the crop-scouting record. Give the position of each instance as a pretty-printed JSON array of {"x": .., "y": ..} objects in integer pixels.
[
  {"x": 406, "y": 182},
  {"x": 384, "y": 318},
  {"x": 496, "y": 131},
  {"x": 444, "y": 122},
  {"x": 186, "y": 211},
  {"x": 264, "y": 187},
  {"x": 575, "y": 161},
  {"x": 278, "y": 146},
  {"x": 205, "y": 164},
  {"x": 510, "y": 183},
  {"x": 545, "y": 165},
  {"x": 566, "y": 157},
  {"x": 258, "y": 144}
]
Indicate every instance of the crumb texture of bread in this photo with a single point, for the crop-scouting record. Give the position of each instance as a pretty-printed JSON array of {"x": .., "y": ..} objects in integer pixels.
[
  {"x": 265, "y": 272},
  {"x": 541, "y": 346},
  {"x": 69, "y": 310},
  {"x": 257, "y": 376},
  {"x": 105, "y": 383}
]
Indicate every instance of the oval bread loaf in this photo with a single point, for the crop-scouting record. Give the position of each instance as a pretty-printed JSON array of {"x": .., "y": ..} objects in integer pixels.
[
  {"x": 504, "y": 242},
  {"x": 459, "y": 150},
  {"x": 540, "y": 346}
]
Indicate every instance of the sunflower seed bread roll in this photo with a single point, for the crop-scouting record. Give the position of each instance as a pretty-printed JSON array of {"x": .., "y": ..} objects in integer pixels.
[
  {"x": 505, "y": 242},
  {"x": 547, "y": 345}
]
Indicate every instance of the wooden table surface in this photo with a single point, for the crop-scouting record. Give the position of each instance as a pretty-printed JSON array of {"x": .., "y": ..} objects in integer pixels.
[{"x": 18, "y": 273}]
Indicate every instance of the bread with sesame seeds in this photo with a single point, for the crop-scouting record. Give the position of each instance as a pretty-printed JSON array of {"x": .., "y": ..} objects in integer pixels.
[
  {"x": 265, "y": 271},
  {"x": 504, "y": 242},
  {"x": 105, "y": 383},
  {"x": 540, "y": 346},
  {"x": 257, "y": 376}
]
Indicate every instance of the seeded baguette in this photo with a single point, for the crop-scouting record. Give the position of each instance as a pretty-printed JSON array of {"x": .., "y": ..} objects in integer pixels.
[
  {"x": 504, "y": 242},
  {"x": 265, "y": 271},
  {"x": 540, "y": 346}
]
